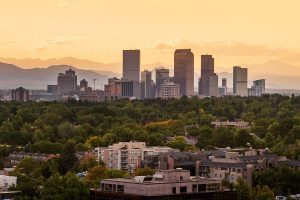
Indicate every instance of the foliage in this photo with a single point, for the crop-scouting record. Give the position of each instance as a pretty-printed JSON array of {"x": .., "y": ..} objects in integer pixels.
[
  {"x": 243, "y": 190},
  {"x": 144, "y": 172}
]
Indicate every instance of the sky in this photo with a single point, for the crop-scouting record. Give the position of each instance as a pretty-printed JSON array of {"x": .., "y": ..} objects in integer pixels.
[{"x": 236, "y": 32}]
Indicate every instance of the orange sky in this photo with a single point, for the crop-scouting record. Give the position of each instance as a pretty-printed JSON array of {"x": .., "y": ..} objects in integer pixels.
[{"x": 235, "y": 31}]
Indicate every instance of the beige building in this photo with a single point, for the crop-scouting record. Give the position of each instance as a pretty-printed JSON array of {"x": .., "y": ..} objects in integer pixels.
[
  {"x": 240, "y": 81},
  {"x": 238, "y": 124},
  {"x": 169, "y": 90},
  {"x": 163, "y": 182},
  {"x": 184, "y": 71},
  {"x": 127, "y": 155}
]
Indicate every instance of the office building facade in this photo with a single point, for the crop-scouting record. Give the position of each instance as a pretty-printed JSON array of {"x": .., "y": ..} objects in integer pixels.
[
  {"x": 146, "y": 85},
  {"x": 67, "y": 82},
  {"x": 131, "y": 69},
  {"x": 258, "y": 88},
  {"x": 208, "y": 82},
  {"x": 184, "y": 71},
  {"x": 240, "y": 81},
  {"x": 169, "y": 90},
  {"x": 161, "y": 75},
  {"x": 20, "y": 94}
]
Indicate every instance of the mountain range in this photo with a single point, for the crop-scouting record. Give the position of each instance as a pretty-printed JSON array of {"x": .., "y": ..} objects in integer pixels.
[
  {"x": 37, "y": 73},
  {"x": 12, "y": 76}
]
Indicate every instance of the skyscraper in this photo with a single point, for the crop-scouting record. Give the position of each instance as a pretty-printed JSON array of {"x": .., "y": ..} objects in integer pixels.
[
  {"x": 146, "y": 84},
  {"x": 67, "y": 82},
  {"x": 223, "y": 88},
  {"x": 161, "y": 75},
  {"x": 240, "y": 81},
  {"x": 83, "y": 84},
  {"x": 20, "y": 94},
  {"x": 208, "y": 83},
  {"x": 258, "y": 88},
  {"x": 131, "y": 69},
  {"x": 184, "y": 71},
  {"x": 224, "y": 82}
]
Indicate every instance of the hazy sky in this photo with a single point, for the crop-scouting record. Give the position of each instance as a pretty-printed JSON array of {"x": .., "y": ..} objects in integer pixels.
[{"x": 235, "y": 31}]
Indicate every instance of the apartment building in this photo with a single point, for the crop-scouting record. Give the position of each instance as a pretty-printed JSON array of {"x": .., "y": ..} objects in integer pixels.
[{"x": 127, "y": 155}]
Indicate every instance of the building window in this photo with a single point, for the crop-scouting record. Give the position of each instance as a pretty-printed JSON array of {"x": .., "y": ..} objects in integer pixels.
[
  {"x": 174, "y": 190},
  {"x": 202, "y": 188},
  {"x": 181, "y": 178},
  {"x": 194, "y": 188},
  {"x": 120, "y": 188},
  {"x": 182, "y": 189}
]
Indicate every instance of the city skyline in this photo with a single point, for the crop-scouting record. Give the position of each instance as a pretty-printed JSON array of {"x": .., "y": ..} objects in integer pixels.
[{"x": 46, "y": 30}]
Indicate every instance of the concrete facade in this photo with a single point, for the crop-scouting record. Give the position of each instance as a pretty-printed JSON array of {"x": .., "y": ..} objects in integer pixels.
[
  {"x": 184, "y": 71},
  {"x": 163, "y": 182},
  {"x": 240, "y": 81}
]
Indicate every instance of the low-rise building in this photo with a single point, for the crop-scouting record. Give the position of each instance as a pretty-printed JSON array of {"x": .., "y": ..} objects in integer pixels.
[
  {"x": 238, "y": 124},
  {"x": 14, "y": 158},
  {"x": 176, "y": 183},
  {"x": 173, "y": 160},
  {"x": 7, "y": 181}
]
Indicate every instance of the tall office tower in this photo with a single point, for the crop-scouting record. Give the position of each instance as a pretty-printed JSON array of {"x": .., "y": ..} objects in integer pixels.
[
  {"x": 20, "y": 94},
  {"x": 83, "y": 84},
  {"x": 131, "y": 69},
  {"x": 208, "y": 83},
  {"x": 258, "y": 88},
  {"x": 67, "y": 82},
  {"x": 184, "y": 71},
  {"x": 224, "y": 82},
  {"x": 146, "y": 85},
  {"x": 162, "y": 74},
  {"x": 240, "y": 81},
  {"x": 223, "y": 88}
]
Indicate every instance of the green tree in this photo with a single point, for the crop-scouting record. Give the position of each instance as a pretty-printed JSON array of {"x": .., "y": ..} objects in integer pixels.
[
  {"x": 144, "y": 172},
  {"x": 263, "y": 193},
  {"x": 64, "y": 188},
  {"x": 179, "y": 143},
  {"x": 243, "y": 190},
  {"x": 68, "y": 158}
]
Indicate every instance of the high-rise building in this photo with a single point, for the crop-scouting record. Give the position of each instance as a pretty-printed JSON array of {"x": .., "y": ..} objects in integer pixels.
[
  {"x": 223, "y": 88},
  {"x": 53, "y": 89},
  {"x": 224, "y": 82},
  {"x": 67, "y": 82},
  {"x": 20, "y": 94},
  {"x": 240, "y": 81},
  {"x": 208, "y": 83},
  {"x": 258, "y": 88},
  {"x": 184, "y": 71},
  {"x": 131, "y": 69},
  {"x": 169, "y": 90},
  {"x": 83, "y": 84},
  {"x": 125, "y": 88},
  {"x": 146, "y": 84},
  {"x": 161, "y": 75}
]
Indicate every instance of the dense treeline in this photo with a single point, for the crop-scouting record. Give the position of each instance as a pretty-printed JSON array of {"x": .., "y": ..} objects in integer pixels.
[
  {"x": 45, "y": 127},
  {"x": 64, "y": 128}
]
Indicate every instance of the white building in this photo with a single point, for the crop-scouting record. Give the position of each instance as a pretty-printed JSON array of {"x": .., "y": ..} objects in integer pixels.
[
  {"x": 169, "y": 90},
  {"x": 7, "y": 181},
  {"x": 258, "y": 88}
]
